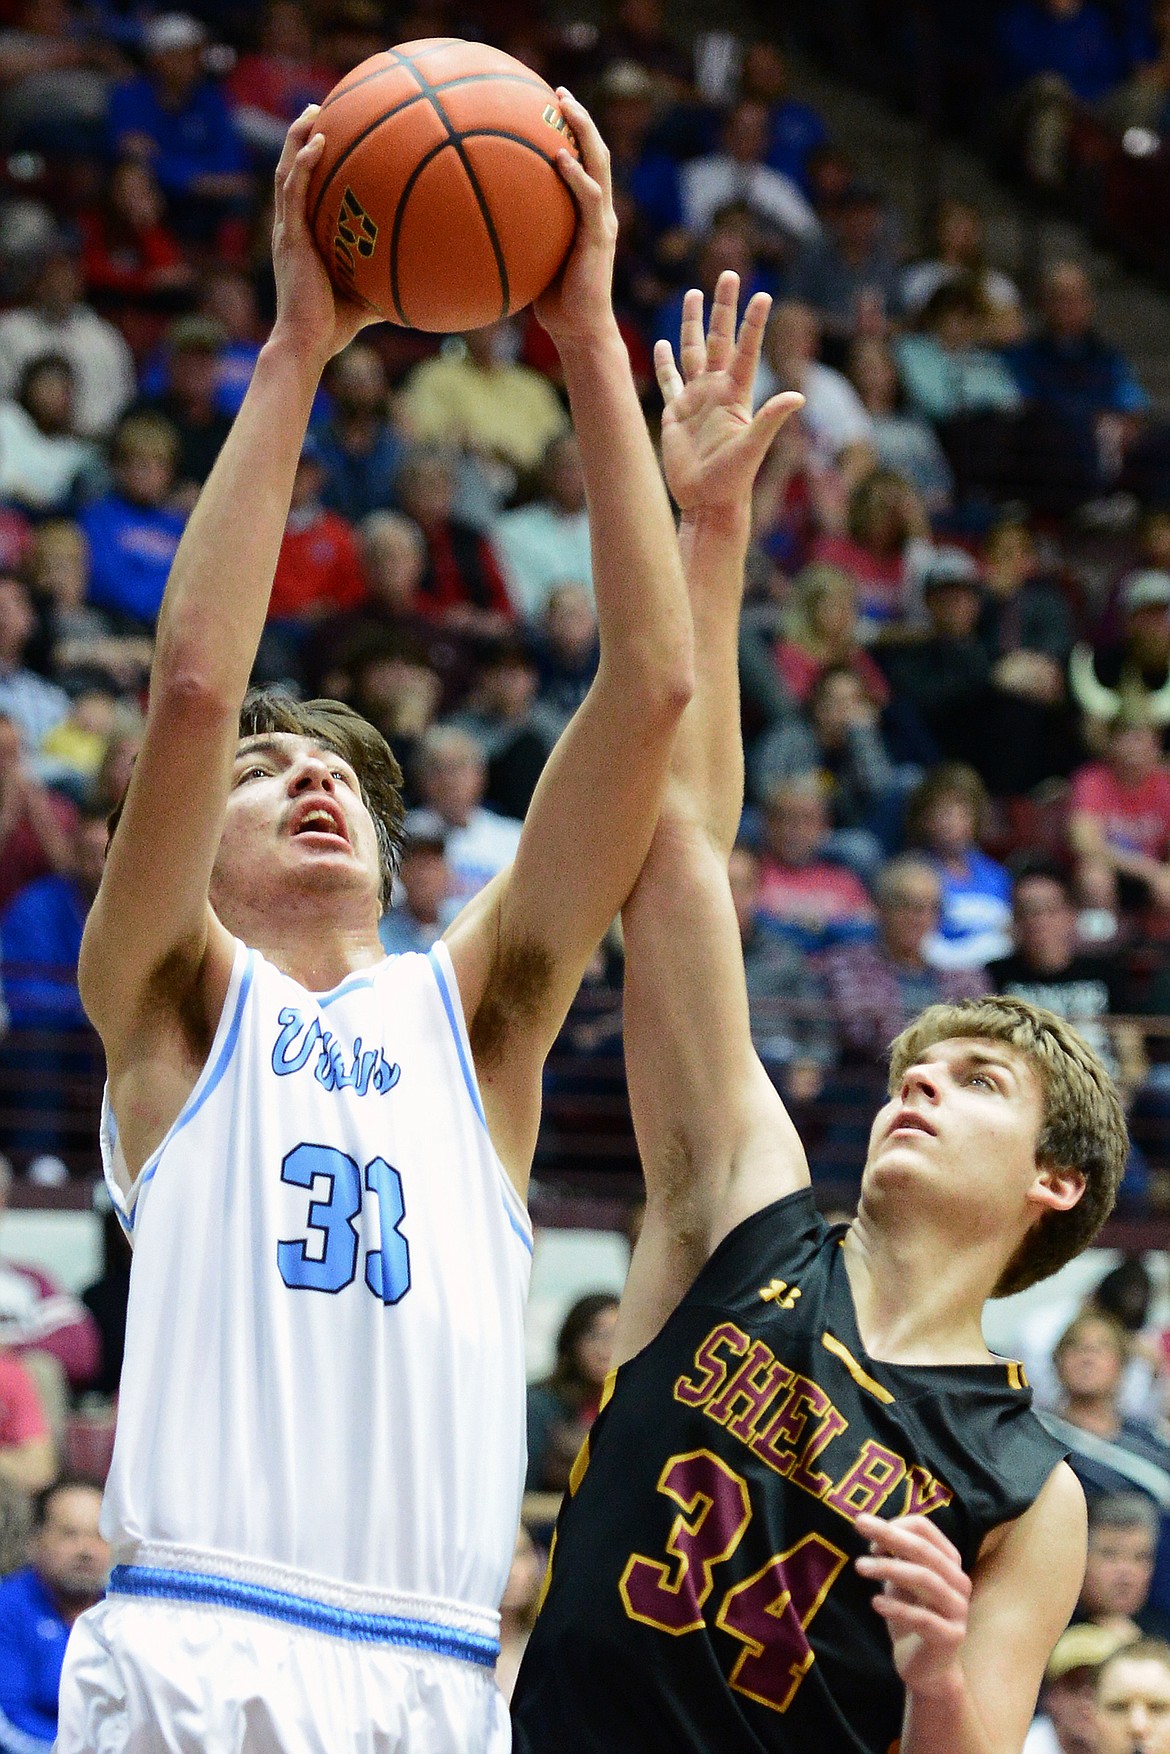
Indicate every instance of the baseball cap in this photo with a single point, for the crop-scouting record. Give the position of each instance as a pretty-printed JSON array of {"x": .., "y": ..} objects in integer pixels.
[
  {"x": 1084, "y": 1647},
  {"x": 423, "y": 829},
  {"x": 1146, "y": 590},
  {"x": 950, "y": 566},
  {"x": 171, "y": 31},
  {"x": 196, "y": 334}
]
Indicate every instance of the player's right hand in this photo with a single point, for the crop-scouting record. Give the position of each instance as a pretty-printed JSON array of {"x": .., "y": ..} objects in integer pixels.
[
  {"x": 310, "y": 312},
  {"x": 578, "y": 306}
]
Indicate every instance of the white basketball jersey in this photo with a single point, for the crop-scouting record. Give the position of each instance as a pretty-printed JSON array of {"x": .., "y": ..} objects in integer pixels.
[{"x": 323, "y": 1391}]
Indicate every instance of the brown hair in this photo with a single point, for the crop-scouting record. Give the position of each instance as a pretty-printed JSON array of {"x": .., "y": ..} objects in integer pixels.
[
  {"x": 1082, "y": 1125},
  {"x": 951, "y": 779},
  {"x": 337, "y": 727},
  {"x": 1092, "y": 1318},
  {"x": 1140, "y": 1650}
]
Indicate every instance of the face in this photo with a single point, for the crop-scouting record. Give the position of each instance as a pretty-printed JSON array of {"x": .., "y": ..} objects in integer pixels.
[
  {"x": 61, "y": 564},
  {"x": 49, "y": 398},
  {"x": 1133, "y": 1707},
  {"x": 358, "y": 380},
  {"x": 194, "y": 373},
  {"x": 953, "y": 610},
  {"x": 796, "y": 825},
  {"x": 832, "y": 614},
  {"x": 144, "y": 476},
  {"x": 874, "y": 374},
  {"x": 1045, "y": 922},
  {"x": 68, "y": 1552},
  {"x": 570, "y": 622},
  {"x": 1118, "y": 1571},
  {"x": 1068, "y": 302},
  {"x": 426, "y": 881},
  {"x": 746, "y": 135},
  {"x": 17, "y": 620},
  {"x": 1134, "y": 751},
  {"x": 9, "y": 747},
  {"x": 564, "y": 477},
  {"x": 295, "y": 822},
  {"x": 962, "y": 1127},
  {"x": 950, "y": 826},
  {"x": 1010, "y": 558},
  {"x": 836, "y": 705},
  {"x": 1071, "y": 1704},
  {"x": 427, "y": 491},
  {"x": 453, "y": 784},
  {"x": 960, "y": 232},
  {"x": 793, "y": 335},
  {"x": 1090, "y": 1364},
  {"x": 908, "y": 912},
  {"x": 595, "y": 1347}
]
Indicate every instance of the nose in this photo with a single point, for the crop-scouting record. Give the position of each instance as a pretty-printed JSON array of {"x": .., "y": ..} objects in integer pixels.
[
  {"x": 919, "y": 1080},
  {"x": 311, "y": 774}
]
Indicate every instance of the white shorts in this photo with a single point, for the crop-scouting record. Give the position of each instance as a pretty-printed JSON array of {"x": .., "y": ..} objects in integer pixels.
[{"x": 160, "y": 1677}]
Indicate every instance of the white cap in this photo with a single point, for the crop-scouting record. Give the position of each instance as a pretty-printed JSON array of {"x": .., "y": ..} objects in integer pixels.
[{"x": 173, "y": 30}]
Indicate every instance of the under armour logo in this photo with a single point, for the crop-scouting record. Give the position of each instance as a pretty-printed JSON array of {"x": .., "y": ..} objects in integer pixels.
[{"x": 780, "y": 1293}]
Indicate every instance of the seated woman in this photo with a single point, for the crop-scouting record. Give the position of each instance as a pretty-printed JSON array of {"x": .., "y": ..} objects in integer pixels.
[
  {"x": 885, "y": 548},
  {"x": 904, "y": 442},
  {"x": 945, "y": 817},
  {"x": 820, "y": 631}
]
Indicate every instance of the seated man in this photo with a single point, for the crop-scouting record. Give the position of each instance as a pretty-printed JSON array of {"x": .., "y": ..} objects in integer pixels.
[
  {"x": 816, "y": 902},
  {"x": 1133, "y": 1700},
  {"x": 452, "y": 776},
  {"x": 66, "y": 1574},
  {"x": 1124, "y": 1529},
  {"x": 1066, "y": 1721}
]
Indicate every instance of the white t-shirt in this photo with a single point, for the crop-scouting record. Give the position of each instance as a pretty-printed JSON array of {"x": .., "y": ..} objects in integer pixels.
[
  {"x": 707, "y": 184},
  {"x": 833, "y": 413}
]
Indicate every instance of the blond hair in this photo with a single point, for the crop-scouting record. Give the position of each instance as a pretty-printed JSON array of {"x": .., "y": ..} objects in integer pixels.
[{"x": 1082, "y": 1125}]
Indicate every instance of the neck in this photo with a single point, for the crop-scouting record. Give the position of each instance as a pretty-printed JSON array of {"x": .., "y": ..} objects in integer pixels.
[
  {"x": 912, "y": 959},
  {"x": 919, "y": 1299},
  {"x": 318, "y": 953},
  {"x": 71, "y": 1607},
  {"x": 1096, "y": 1413}
]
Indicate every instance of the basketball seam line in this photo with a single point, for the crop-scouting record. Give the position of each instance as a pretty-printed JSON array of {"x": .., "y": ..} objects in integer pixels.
[
  {"x": 456, "y": 140},
  {"x": 336, "y": 96},
  {"x": 394, "y": 110}
]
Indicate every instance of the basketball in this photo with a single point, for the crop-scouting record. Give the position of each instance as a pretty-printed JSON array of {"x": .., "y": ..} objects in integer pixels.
[{"x": 436, "y": 198}]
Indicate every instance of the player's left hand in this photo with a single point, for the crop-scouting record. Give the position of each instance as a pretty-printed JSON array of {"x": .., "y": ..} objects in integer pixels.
[
  {"x": 924, "y": 1598},
  {"x": 578, "y": 306},
  {"x": 712, "y": 445}
]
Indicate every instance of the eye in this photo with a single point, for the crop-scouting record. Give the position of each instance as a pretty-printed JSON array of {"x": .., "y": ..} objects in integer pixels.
[
  {"x": 983, "y": 1078},
  {"x": 252, "y": 773},
  {"x": 339, "y": 773}
]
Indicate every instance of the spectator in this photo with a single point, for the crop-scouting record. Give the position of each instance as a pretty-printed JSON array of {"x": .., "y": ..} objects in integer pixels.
[
  {"x": 945, "y": 369},
  {"x": 27, "y": 1460},
  {"x": 36, "y": 824},
  {"x": 1119, "y": 1567},
  {"x": 1048, "y": 968},
  {"x": 850, "y": 275},
  {"x": 452, "y": 775},
  {"x": 886, "y": 548},
  {"x": 227, "y": 296},
  {"x": 837, "y": 741},
  {"x": 462, "y": 586},
  {"x": 270, "y": 85},
  {"x": 1119, "y": 822},
  {"x": 738, "y": 172},
  {"x": 944, "y": 672},
  {"x": 652, "y": 241},
  {"x": 1133, "y": 1700},
  {"x": 57, "y": 321},
  {"x": 55, "y": 72},
  {"x": 423, "y": 893},
  {"x": 546, "y": 541},
  {"x": 318, "y": 574},
  {"x": 567, "y": 650},
  {"x": 67, "y": 1572},
  {"x": 515, "y": 731},
  {"x": 821, "y": 631},
  {"x": 1134, "y": 671},
  {"x": 474, "y": 394},
  {"x": 731, "y": 246},
  {"x": 1026, "y": 611},
  {"x": 51, "y": 1332},
  {"x": 175, "y": 118},
  {"x": 189, "y": 399},
  {"x": 785, "y": 998},
  {"x": 133, "y": 531},
  {"x": 130, "y": 259},
  {"x": 906, "y": 444},
  {"x": 839, "y": 428},
  {"x": 518, "y": 1606},
  {"x": 960, "y": 237},
  {"x": 876, "y": 988},
  {"x": 1072, "y": 40},
  {"x": 44, "y": 465},
  {"x": 813, "y": 901},
  {"x": 1067, "y": 1720},
  {"x": 563, "y": 1407},
  {"x": 795, "y": 129},
  {"x": 32, "y": 704},
  {"x": 87, "y": 646},
  {"x": 1108, "y": 1452},
  {"x": 358, "y": 447},
  {"x": 945, "y": 816}
]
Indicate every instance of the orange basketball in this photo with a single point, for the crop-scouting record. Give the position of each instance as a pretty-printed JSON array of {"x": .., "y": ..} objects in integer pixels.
[{"x": 437, "y": 199}]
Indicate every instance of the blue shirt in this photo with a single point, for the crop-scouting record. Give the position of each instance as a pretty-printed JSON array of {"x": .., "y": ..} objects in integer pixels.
[
  {"x": 132, "y": 548},
  {"x": 198, "y": 140},
  {"x": 356, "y": 485},
  {"x": 1080, "y": 378},
  {"x": 797, "y": 130},
  {"x": 32, "y": 1649},
  {"x": 1082, "y": 49},
  {"x": 40, "y": 930}
]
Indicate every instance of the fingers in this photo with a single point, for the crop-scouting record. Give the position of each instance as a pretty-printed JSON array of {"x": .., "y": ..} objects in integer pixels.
[
  {"x": 918, "y": 1586},
  {"x": 296, "y": 138},
  {"x": 746, "y": 357},
  {"x": 756, "y": 438},
  {"x": 692, "y": 349},
  {"x": 594, "y": 151},
  {"x": 910, "y": 1537},
  {"x": 669, "y": 381},
  {"x": 721, "y": 328}
]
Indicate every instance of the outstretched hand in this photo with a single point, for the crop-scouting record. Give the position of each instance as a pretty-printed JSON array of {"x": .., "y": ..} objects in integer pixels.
[
  {"x": 712, "y": 445},
  {"x": 924, "y": 1598},
  {"x": 579, "y": 303},
  {"x": 310, "y": 310}
]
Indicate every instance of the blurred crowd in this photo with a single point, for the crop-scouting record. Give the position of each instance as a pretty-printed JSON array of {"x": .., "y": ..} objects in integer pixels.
[{"x": 955, "y": 647}]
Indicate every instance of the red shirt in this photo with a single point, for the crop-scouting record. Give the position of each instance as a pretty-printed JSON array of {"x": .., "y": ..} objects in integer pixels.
[
  {"x": 319, "y": 570},
  {"x": 1136, "y": 819},
  {"x": 22, "y": 853},
  {"x": 815, "y": 895},
  {"x": 21, "y": 1415}
]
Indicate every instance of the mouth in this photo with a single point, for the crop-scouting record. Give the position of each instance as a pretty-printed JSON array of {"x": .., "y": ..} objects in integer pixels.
[
  {"x": 321, "y": 818},
  {"x": 908, "y": 1120}
]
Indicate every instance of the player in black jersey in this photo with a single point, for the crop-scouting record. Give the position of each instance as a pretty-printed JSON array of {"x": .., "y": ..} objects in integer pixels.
[{"x": 814, "y": 1515}]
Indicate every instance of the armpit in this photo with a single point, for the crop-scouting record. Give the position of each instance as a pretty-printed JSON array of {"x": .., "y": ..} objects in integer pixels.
[{"x": 516, "y": 992}]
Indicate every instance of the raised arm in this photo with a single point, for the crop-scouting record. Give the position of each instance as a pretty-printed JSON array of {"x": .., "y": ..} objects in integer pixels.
[
  {"x": 521, "y": 947},
  {"x": 713, "y": 1135},
  {"x": 152, "y": 946}
]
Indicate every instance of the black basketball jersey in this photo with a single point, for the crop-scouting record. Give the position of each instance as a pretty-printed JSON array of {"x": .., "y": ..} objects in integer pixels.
[{"x": 702, "y": 1595}]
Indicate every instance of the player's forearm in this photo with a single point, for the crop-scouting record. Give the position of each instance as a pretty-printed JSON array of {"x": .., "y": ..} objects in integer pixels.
[
  {"x": 217, "y": 595},
  {"x": 643, "y": 622},
  {"x": 706, "y": 782},
  {"x": 946, "y": 1722}
]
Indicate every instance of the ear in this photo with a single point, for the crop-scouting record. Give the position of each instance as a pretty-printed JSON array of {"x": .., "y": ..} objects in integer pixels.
[{"x": 1056, "y": 1190}]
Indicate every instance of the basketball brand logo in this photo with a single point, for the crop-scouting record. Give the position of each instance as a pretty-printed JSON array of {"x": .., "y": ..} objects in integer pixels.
[
  {"x": 553, "y": 117},
  {"x": 356, "y": 231}
]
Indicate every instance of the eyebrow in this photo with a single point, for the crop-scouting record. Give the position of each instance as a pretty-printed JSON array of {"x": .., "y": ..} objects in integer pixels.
[
  {"x": 981, "y": 1057},
  {"x": 259, "y": 745}
]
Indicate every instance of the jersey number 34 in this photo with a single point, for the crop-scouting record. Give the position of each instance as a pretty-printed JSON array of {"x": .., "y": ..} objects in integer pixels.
[{"x": 332, "y": 1265}]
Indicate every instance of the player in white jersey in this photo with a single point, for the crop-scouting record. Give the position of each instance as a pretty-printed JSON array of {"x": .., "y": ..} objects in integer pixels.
[{"x": 321, "y": 1154}]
